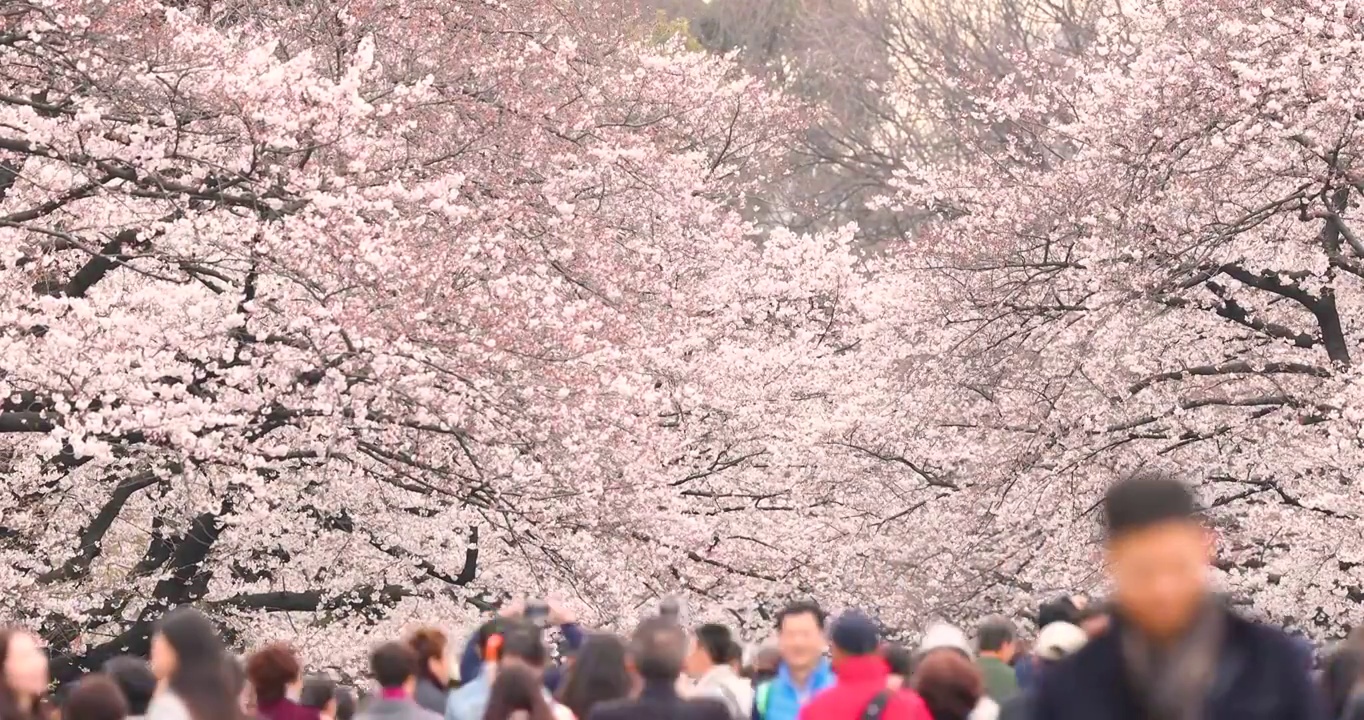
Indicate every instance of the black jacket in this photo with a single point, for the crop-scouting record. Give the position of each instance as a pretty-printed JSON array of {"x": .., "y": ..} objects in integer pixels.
[
  {"x": 660, "y": 701},
  {"x": 1259, "y": 676}
]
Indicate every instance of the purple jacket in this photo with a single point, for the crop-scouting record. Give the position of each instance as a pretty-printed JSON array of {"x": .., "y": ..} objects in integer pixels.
[{"x": 286, "y": 709}]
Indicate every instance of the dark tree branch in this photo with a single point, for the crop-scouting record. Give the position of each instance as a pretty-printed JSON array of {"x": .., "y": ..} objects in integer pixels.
[{"x": 88, "y": 547}]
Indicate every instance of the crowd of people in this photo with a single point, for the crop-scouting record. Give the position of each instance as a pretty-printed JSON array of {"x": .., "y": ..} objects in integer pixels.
[{"x": 1162, "y": 647}]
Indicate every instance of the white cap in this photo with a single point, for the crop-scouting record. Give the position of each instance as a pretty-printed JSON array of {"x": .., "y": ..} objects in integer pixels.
[
  {"x": 942, "y": 635},
  {"x": 1059, "y": 640}
]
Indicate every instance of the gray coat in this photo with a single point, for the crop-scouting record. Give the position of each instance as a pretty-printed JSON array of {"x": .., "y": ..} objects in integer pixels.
[
  {"x": 380, "y": 708},
  {"x": 430, "y": 696}
]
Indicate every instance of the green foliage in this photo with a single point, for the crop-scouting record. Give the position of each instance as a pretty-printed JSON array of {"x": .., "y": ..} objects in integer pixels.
[{"x": 665, "y": 29}]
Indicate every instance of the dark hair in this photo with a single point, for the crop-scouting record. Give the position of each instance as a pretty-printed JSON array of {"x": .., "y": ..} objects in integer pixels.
[
  {"x": 598, "y": 674},
  {"x": 392, "y": 664},
  {"x": 317, "y": 691},
  {"x": 516, "y": 688},
  {"x": 95, "y": 697},
  {"x": 525, "y": 642},
  {"x": 899, "y": 658},
  {"x": 1061, "y": 609},
  {"x": 202, "y": 677},
  {"x": 270, "y": 671},
  {"x": 135, "y": 680},
  {"x": 1144, "y": 499},
  {"x": 429, "y": 644},
  {"x": 716, "y": 641},
  {"x": 994, "y": 633},
  {"x": 736, "y": 653},
  {"x": 804, "y": 607},
  {"x": 345, "y": 704},
  {"x": 949, "y": 684},
  {"x": 659, "y": 649}
]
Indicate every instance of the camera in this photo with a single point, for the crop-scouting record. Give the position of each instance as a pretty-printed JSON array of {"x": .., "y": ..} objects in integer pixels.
[{"x": 537, "y": 611}]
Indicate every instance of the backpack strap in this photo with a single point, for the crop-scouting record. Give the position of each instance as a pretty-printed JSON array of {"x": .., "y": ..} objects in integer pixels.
[
  {"x": 760, "y": 701},
  {"x": 877, "y": 707}
]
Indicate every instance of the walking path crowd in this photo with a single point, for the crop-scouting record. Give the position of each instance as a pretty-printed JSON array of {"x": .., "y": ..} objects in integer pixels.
[{"x": 1164, "y": 647}]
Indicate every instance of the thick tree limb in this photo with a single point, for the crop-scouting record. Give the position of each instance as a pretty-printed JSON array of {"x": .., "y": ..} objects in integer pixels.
[{"x": 88, "y": 547}]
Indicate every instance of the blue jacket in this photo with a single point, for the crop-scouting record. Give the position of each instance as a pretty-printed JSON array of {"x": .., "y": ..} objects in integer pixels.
[
  {"x": 1259, "y": 676},
  {"x": 1025, "y": 669},
  {"x": 470, "y": 664},
  {"x": 782, "y": 700}
]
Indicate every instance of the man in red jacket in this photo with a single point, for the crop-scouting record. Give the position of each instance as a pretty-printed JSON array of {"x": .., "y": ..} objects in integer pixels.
[{"x": 862, "y": 691}]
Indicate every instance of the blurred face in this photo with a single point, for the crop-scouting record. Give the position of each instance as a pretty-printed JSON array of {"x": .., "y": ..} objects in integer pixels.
[
  {"x": 329, "y": 710},
  {"x": 439, "y": 669},
  {"x": 1160, "y": 574},
  {"x": 163, "y": 660},
  {"x": 25, "y": 666},
  {"x": 801, "y": 640},
  {"x": 1095, "y": 625},
  {"x": 697, "y": 662}
]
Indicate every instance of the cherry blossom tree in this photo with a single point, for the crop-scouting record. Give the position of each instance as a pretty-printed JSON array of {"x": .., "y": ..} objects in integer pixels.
[
  {"x": 332, "y": 317},
  {"x": 1174, "y": 282}
]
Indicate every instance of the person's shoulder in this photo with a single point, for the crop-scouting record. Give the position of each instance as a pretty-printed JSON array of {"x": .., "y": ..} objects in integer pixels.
[
  {"x": 707, "y": 706},
  {"x": 907, "y": 704}
]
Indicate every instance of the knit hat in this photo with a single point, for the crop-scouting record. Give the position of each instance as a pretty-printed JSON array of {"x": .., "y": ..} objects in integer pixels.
[
  {"x": 855, "y": 634},
  {"x": 942, "y": 635},
  {"x": 1059, "y": 640}
]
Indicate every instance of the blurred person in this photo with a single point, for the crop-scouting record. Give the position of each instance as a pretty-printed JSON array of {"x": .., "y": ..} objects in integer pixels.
[
  {"x": 901, "y": 663},
  {"x": 1067, "y": 609},
  {"x": 471, "y": 662},
  {"x": 710, "y": 666},
  {"x": 135, "y": 680},
  {"x": 736, "y": 659},
  {"x": 395, "y": 669},
  {"x": 863, "y": 687},
  {"x": 23, "y": 668},
  {"x": 433, "y": 680},
  {"x": 1173, "y": 651},
  {"x": 944, "y": 638},
  {"x": 950, "y": 685},
  {"x": 658, "y": 652},
  {"x": 193, "y": 670},
  {"x": 514, "y": 642},
  {"x": 319, "y": 692},
  {"x": 600, "y": 673},
  {"x": 95, "y": 697},
  {"x": 766, "y": 660},
  {"x": 803, "y": 670},
  {"x": 1094, "y": 618},
  {"x": 274, "y": 672},
  {"x": 1055, "y": 643},
  {"x": 517, "y": 694},
  {"x": 996, "y": 640}
]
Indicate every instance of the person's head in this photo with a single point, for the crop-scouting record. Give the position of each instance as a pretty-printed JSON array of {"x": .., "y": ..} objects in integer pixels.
[
  {"x": 24, "y": 667},
  {"x": 996, "y": 637},
  {"x": 524, "y": 643},
  {"x": 1158, "y": 553},
  {"x": 95, "y": 697},
  {"x": 853, "y": 635},
  {"x": 135, "y": 680},
  {"x": 394, "y": 667},
  {"x": 658, "y": 650},
  {"x": 800, "y": 635},
  {"x": 736, "y": 657},
  {"x": 319, "y": 692},
  {"x": 901, "y": 663},
  {"x": 1057, "y": 642},
  {"x": 765, "y": 663},
  {"x": 429, "y": 645},
  {"x": 949, "y": 684},
  {"x": 272, "y": 671},
  {"x": 188, "y": 655},
  {"x": 600, "y": 672},
  {"x": 489, "y": 635},
  {"x": 517, "y": 689},
  {"x": 711, "y": 646},
  {"x": 1061, "y": 609}
]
